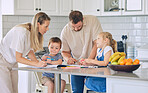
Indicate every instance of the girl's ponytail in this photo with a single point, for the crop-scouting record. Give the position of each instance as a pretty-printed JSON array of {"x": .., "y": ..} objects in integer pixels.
[{"x": 114, "y": 45}]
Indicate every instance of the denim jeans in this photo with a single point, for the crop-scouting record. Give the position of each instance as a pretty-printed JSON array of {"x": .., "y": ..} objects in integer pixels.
[{"x": 77, "y": 83}]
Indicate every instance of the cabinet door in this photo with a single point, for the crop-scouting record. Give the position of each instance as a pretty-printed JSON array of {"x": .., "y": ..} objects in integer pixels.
[
  {"x": 111, "y": 7},
  {"x": 87, "y": 7},
  {"x": 51, "y": 7},
  {"x": 65, "y": 7},
  {"x": 92, "y": 7},
  {"x": 78, "y": 5},
  {"x": 133, "y": 7},
  {"x": 24, "y": 7}
]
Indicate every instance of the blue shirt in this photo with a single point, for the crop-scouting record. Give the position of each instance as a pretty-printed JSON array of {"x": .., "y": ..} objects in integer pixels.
[{"x": 55, "y": 58}]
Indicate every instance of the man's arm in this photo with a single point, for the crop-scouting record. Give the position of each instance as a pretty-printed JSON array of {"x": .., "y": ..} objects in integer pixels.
[
  {"x": 68, "y": 58},
  {"x": 93, "y": 51}
]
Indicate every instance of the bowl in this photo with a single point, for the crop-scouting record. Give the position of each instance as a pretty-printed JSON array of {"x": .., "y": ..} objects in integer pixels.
[{"x": 125, "y": 68}]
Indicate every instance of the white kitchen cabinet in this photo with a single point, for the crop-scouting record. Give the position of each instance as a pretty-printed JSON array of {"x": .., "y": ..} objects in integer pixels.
[
  {"x": 65, "y": 7},
  {"x": 146, "y": 6},
  {"x": 122, "y": 7},
  {"x": 31, "y": 7},
  {"x": 117, "y": 85},
  {"x": 88, "y": 7}
]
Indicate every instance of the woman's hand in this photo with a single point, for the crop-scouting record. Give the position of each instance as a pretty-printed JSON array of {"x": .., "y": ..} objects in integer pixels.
[{"x": 41, "y": 64}]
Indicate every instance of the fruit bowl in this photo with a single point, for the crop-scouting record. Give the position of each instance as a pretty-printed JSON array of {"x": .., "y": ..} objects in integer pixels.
[{"x": 125, "y": 68}]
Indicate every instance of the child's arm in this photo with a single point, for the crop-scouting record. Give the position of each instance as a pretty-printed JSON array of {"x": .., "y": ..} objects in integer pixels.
[
  {"x": 58, "y": 62},
  {"x": 100, "y": 63}
]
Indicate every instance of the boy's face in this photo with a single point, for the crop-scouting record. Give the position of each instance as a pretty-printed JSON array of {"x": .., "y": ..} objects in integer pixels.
[{"x": 54, "y": 48}]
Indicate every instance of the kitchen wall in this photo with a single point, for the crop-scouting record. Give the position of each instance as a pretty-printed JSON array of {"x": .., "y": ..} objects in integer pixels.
[{"x": 134, "y": 26}]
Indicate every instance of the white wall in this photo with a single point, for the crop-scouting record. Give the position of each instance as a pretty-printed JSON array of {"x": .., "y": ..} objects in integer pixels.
[{"x": 135, "y": 26}]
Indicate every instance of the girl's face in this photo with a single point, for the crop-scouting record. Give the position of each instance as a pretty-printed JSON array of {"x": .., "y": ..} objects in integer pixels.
[
  {"x": 54, "y": 48},
  {"x": 100, "y": 41},
  {"x": 44, "y": 27}
]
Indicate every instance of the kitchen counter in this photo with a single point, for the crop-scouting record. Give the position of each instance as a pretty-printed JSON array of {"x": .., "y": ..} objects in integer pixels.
[
  {"x": 138, "y": 79},
  {"x": 140, "y": 74}
]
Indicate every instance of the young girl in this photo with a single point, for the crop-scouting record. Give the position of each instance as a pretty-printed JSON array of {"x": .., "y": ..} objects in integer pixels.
[
  {"x": 53, "y": 58},
  {"x": 106, "y": 46}
]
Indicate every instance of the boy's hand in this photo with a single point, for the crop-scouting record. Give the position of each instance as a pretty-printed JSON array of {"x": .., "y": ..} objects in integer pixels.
[
  {"x": 48, "y": 61},
  {"x": 44, "y": 58}
]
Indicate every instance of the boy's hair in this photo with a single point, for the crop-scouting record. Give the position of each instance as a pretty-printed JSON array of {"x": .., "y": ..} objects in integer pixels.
[
  {"x": 55, "y": 40},
  {"x": 112, "y": 42},
  {"x": 75, "y": 17}
]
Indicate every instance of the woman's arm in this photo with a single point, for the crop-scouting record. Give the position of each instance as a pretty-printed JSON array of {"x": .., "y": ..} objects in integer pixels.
[
  {"x": 21, "y": 59},
  {"x": 100, "y": 63},
  {"x": 32, "y": 56}
]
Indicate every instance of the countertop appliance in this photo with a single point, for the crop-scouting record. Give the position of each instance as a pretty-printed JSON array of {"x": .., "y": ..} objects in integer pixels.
[{"x": 120, "y": 46}]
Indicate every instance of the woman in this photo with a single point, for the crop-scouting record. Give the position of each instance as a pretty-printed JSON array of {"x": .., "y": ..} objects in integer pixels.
[{"x": 21, "y": 40}]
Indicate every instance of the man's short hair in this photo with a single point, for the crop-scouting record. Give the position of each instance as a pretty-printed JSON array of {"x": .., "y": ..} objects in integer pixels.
[{"x": 75, "y": 17}]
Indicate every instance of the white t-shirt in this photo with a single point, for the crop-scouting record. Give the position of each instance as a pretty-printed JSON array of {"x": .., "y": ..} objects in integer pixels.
[
  {"x": 17, "y": 39},
  {"x": 80, "y": 43},
  {"x": 106, "y": 49}
]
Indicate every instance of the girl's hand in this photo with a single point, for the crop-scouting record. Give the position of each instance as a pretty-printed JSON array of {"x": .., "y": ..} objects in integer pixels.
[
  {"x": 41, "y": 64},
  {"x": 81, "y": 62}
]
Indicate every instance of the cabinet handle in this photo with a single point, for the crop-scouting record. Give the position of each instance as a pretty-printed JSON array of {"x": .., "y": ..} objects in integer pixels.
[
  {"x": 98, "y": 9},
  {"x": 36, "y": 9},
  {"x": 122, "y": 8},
  {"x": 39, "y": 9}
]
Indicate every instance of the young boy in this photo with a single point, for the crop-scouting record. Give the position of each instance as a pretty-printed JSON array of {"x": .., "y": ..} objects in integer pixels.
[{"x": 53, "y": 58}]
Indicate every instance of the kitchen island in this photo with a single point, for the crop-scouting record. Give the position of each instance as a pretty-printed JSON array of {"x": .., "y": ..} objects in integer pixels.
[{"x": 117, "y": 82}]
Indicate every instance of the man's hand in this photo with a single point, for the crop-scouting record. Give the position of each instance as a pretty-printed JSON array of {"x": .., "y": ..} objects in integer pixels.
[{"x": 71, "y": 61}]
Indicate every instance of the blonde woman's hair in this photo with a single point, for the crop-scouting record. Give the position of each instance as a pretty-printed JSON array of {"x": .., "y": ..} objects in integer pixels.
[
  {"x": 36, "y": 37},
  {"x": 112, "y": 42}
]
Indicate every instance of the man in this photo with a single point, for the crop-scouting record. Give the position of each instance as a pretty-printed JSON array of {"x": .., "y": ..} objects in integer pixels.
[{"x": 79, "y": 41}]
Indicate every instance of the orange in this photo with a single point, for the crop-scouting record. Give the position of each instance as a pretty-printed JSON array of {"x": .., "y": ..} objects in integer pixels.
[
  {"x": 125, "y": 60},
  {"x": 136, "y": 61},
  {"x": 122, "y": 62},
  {"x": 129, "y": 60},
  {"x": 128, "y": 63}
]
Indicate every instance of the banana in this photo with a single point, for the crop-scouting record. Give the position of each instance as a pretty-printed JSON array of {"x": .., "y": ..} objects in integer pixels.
[
  {"x": 121, "y": 58},
  {"x": 122, "y": 54},
  {"x": 116, "y": 58},
  {"x": 112, "y": 56}
]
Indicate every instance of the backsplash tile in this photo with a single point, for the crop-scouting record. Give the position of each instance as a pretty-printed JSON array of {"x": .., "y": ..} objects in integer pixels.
[{"x": 133, "y": 26}]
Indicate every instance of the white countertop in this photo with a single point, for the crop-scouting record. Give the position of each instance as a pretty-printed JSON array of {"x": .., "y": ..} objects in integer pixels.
[{"x": 140, "y": 74}]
